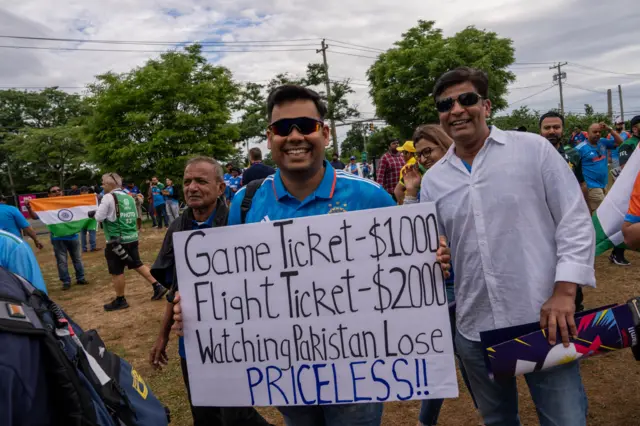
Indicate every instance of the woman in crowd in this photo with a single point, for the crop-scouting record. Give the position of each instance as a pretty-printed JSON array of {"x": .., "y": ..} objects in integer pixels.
[{"x": 431, "y": 144}]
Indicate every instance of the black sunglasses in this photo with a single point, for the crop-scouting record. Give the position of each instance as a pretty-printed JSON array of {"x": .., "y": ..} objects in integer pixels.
[
  {"x": 464, "y": 99},
  {"x": 305, "y": 125}
]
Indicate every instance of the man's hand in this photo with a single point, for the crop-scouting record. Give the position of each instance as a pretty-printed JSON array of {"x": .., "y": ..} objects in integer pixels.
[
  {"x": 605, "y": 126},
  {"x": 91, "y": 214},
  {"x": 38, "y": 245},
  {"x": 177, "y": 315},
  {"x": 558, "y": 311},
  {"x": 443, "y": 256},
  {"x": 158, "y": 355}
]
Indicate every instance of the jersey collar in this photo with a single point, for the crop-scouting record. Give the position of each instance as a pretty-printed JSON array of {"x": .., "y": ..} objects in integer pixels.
[{"x": 324, "y": 190}]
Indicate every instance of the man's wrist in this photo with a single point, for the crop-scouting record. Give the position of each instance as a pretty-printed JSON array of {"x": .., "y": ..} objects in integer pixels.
[{"x": 565, "y": 288}]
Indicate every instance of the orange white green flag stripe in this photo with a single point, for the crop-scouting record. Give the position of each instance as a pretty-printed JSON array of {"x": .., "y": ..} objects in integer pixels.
[{"x": 66, "y": 215}]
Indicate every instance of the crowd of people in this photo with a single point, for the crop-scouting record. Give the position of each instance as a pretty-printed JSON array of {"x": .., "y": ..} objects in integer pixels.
[{"x": 514, "y": 210}]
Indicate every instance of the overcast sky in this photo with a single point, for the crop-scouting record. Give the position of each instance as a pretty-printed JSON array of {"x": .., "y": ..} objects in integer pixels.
[{"x": 592, "y": 36}]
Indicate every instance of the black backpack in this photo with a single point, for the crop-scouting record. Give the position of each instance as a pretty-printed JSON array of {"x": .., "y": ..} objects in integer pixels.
[
  {"x": 88, "y": 385},
  {"x": 249, "y": 192}
]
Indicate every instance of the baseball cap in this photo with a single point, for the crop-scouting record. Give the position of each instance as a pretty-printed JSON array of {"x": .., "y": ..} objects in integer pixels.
[
  {"x": 624, "y": 153},
  {"x": 407, "y": 146},
  {"x": 635, "y": 121},
  {"x": 353, "y": 157},
  {"x": 618, "y": 120}
]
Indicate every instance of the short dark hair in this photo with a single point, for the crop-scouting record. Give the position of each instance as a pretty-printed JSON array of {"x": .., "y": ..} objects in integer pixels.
[
  {"x": 255, "y": 154},
  {"x": 51, "y": 187},
  {"x": 551, "y": 114},
  {"x": 291, "y": 92},
  {"x": 460, "y": 75}
]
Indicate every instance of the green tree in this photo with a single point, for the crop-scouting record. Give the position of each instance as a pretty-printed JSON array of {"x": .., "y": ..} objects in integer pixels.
[
  {"x": 35, "y": 158},
  {"x": 150, "y": 120},
  {"x": 402, "y": 79},
  {"x": 522, "y": 116},
  {"x": 253, "y": 104},
  {"x": 354, "y": 141},
  {"x": 378, "y": 141},
  {"x": 55, "y": 154}
]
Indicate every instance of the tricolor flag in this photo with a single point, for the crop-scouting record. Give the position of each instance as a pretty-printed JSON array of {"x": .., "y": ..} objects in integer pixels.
[
  {"x": 609, "y": 217},
  {"x": 66, "y": 215}
]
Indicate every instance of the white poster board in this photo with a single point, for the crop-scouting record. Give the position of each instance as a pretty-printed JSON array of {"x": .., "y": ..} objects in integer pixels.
[{"x": 331, "y": 309}]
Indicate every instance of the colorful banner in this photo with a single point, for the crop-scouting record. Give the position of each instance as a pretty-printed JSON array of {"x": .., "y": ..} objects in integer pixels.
[{"x": 524, "y": 349}]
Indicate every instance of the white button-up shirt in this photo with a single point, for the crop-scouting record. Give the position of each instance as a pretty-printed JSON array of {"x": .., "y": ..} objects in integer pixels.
[{"x": 517, "y": 223}]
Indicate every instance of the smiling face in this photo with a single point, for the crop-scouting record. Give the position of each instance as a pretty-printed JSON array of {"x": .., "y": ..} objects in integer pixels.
[
  {"x": 202, "y": 187},
  {"x": 297, "y": 153},
  {"x": 154, "y": 181},
  {"x": 428, "y": 153},
  {"x": 464, "y": 123}
]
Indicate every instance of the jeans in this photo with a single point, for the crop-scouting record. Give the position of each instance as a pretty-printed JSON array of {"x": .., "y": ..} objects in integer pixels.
[
  {"x": 557, "y": 393},
  {"x": 430, "y": 408},
  {"x": 60, "y": 249},
  {"x": 161, "y": 214},
  {"x": 368, "y": 414},
  {"x": 92, "y": 239},
  {"x": 173, "y": 211}
]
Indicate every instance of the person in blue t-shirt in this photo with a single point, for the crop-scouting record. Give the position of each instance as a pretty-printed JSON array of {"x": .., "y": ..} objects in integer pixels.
[
  {"x": 12, "y": 221},
  {"x": 172, "y": 202},
  {"x": 63, "y": 245},
  {"x": 235, "y": 182},
  {"x": 17, "y": 257},
  {"x": 624, "y": 135},
  {"x": 159, "y": 202},
  {"x": 227, "y": 178},
  {"x": 595, "y": 169},
  {"x": 305, "y": 184}
]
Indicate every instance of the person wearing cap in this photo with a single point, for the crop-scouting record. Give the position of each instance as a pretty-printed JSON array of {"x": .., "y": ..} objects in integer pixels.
[
  {"x": 619, "y": 126},
  {"x": 353, "y": 167},
  {"x": 409, "y": 154},
  {"x": 336, "y": 163},
  {"x": 391, "y": 163}
]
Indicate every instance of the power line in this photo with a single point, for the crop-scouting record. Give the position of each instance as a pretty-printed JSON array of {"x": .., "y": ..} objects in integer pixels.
[
  {"x": 79, "y": 40},
  {"x": 527, "y": 87},
  {"x": 585, "y": 89},
  {"x": 535, "y": 94},
  {"x": 356, "y": 45},
  {"x": 353, "y": 54},
  {"x": 150, "y": 51},
  {"x": 604, "y": 71}
]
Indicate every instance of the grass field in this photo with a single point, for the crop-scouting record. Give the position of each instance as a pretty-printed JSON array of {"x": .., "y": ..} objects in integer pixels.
[{"x": 612, "y": 382}]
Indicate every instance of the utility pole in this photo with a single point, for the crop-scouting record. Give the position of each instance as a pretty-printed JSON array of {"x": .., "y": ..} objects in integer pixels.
[
  {"x": 334, "y": 135},
  {"x": 609, "y": 105},
  {"x": 621, "y": 104},
  {"x": 558, "y": 77}
]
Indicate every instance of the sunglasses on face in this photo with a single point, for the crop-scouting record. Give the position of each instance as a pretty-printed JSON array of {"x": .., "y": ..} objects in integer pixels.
[
  {"x": 54, "y": 191},
  {"x": 304, "y": 125},
  {"x": 464, "y": 99},
  {"x": 426, "y": 153}
]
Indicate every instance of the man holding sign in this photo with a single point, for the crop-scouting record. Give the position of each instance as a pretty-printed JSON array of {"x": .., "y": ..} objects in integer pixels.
[
  {"x": 522, "y": 242},
  {"x": 330, "y": 320}
]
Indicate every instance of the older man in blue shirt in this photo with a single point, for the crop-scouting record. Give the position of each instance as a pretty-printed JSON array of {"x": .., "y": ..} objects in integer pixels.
[{"x": 12, "y": 221}]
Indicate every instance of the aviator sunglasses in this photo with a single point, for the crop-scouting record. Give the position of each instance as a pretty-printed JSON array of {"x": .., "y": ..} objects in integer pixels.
[
  {"x": 305, "y": 125},
  {"x": 464, "y": 99}
]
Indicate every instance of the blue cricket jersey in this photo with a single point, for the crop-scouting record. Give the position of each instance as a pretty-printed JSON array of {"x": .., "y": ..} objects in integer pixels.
[
  {"x": 17, "y": 257},
  {"x": 594, "y": 164},
  {"x": 338, "y": 192},
  {"x": 11, "y": 220}
]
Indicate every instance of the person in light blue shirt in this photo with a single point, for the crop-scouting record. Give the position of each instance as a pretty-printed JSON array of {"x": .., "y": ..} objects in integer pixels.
[
  {"x": 305, "y": 184},
  {"x": 17, "y": 257},
  {"x": 172, "y": 202},
  {"x": 235, "y": 182},
  {"x": 595, "y": 168},
  {"x": 159, "y": 204},
  {"x": 12, "y": 221}
]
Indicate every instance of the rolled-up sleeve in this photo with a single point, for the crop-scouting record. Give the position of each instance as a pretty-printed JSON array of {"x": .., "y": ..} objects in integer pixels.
[{"x": 575, "y": 234}]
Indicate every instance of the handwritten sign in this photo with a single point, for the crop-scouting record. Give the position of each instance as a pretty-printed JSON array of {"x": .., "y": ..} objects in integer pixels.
[{"x": 341, "y": 308}]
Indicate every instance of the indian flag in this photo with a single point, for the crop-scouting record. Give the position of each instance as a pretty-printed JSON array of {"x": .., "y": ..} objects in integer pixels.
[
  {"x": 609, "y": 217},
  {"x": 66, "y": 215}
]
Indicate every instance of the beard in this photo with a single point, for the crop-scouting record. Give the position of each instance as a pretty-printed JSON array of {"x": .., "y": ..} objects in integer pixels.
[{"x": 555, "y": 140}]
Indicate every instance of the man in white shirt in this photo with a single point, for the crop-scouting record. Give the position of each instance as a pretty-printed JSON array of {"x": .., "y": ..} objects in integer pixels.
[{"x": 521, "y": 241}]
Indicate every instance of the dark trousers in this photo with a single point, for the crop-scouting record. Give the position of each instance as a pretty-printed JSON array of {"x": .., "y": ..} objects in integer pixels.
[
  {"x": 161, "y": 213},
  {"x": 221, "y": 416}
]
